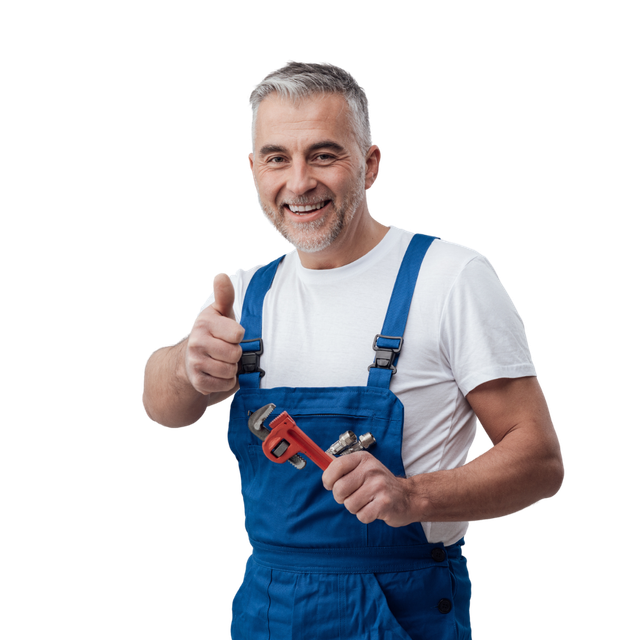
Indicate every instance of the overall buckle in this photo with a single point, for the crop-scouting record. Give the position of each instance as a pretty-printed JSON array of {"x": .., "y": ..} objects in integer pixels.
[
  {"x": 250, "y": 359},
  {"x": 386, "y": 354}
]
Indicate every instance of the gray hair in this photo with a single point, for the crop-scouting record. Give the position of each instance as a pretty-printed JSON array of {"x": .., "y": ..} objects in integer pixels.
[{"x": 299, "y": 80}]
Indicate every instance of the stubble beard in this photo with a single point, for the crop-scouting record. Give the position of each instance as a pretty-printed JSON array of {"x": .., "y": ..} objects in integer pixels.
[{"x": 314, "y": 236}]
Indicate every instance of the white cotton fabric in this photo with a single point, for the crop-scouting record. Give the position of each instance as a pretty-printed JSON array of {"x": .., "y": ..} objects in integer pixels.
[{"x": 462, "y": 330}]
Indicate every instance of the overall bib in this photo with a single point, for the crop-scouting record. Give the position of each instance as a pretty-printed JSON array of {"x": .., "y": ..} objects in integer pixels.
[{"x": 316, "y": 571}]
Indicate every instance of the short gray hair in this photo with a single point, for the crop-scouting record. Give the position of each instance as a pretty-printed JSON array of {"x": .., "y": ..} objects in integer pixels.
[{"x": 299, "y": 80}]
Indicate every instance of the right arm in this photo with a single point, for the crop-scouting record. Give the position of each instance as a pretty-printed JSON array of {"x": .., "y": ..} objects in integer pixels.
[{"x": 180, "y": 382}]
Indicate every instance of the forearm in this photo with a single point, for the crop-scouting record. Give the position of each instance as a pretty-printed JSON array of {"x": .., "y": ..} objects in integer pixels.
[
  {"x": 515, "y": 473},
  {"x": 169, "y": 398}
]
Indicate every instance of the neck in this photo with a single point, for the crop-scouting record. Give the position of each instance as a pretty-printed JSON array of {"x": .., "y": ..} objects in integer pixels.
[{"x": 355, "y": 241}]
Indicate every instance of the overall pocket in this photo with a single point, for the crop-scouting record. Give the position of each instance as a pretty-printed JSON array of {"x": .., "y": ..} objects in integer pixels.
[
  {"x": 366, "y": 614},
  {"x": 421, "y": 602}
]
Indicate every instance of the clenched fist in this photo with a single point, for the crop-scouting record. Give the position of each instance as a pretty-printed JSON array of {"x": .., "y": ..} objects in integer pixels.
[
  {"x": 213, "y": 347},
  {"x": 369, "y": 490}
]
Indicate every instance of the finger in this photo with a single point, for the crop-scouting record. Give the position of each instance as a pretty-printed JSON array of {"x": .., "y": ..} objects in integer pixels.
[
  {"x": 230, "y": 332},
  {"x": 205, "y": 384},
  {"x": 359, "y": 500},
  {"x": 224, "y": 295},
  {"x": 211, "y": 362},
  {"x": 366, "y": 512},
  {"x": 210, "y": 325},
  {"x": 339, "y": 468},
  {"x": 217, "y": 368}
]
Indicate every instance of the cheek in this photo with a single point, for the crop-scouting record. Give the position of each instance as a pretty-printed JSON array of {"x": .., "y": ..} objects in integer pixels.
[
  {"x": 337, "y": 185},
  {"x": 267, "y": 188}
]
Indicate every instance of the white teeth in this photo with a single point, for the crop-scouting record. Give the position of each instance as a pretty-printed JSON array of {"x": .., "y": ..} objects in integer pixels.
[{"x": 305, "y": 208}]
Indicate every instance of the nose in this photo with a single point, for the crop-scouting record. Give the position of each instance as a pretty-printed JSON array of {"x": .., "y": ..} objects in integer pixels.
[{"x": 301, "y": 179}]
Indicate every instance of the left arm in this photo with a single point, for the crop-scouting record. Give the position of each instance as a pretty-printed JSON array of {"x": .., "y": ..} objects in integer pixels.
[{"x": 523, "y": 466}]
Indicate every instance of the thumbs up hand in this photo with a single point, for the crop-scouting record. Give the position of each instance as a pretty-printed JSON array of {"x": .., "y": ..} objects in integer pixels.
[{"x": 213, "y": 347}]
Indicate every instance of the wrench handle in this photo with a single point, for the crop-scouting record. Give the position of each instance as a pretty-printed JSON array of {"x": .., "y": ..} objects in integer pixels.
[{"x": 284, "y": 428}]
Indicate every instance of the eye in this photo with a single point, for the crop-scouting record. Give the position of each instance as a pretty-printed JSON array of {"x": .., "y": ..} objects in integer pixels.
[
  {"x": 324, "y": 157},
  {"x": 276, "y": 160}
]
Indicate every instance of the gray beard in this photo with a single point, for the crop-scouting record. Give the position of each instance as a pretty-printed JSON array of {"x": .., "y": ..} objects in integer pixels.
[{"x": 308, "y": 237}]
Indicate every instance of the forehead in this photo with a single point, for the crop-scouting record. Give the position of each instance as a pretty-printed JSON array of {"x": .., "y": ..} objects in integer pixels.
[{"x": 294, "y": 123}]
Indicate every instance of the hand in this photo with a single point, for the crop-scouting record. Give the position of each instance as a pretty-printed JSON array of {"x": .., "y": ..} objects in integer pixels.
[
  {"x": 213, "y": 348},
  {"x": 369, "y": 490}
]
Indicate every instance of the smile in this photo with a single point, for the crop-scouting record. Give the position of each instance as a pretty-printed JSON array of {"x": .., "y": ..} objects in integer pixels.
[{"x": 303, "y": 209}]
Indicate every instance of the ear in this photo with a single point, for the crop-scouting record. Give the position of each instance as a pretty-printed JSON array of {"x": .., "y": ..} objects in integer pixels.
[
  {"x": 372, "y": 164},
  {"x": 251, "y": 161}
]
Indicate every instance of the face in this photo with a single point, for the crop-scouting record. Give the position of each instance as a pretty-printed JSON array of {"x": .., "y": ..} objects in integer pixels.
[{"x": 310, "y": 173}]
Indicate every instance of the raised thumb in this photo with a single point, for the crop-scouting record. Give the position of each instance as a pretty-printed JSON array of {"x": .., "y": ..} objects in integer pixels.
[{"x": 224, "y": 295}]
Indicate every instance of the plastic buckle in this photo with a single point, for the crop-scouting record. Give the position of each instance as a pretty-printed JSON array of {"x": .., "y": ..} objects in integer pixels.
[
  {"x": 386, "y": 355},
  {"x": 250, "y": 360}
]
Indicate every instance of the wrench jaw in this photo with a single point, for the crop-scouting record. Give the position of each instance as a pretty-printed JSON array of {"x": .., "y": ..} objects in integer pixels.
[{"x": 257, "y": 418}]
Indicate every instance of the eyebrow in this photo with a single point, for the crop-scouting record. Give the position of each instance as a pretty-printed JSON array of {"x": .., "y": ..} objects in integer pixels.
[{"x": 324, "y": 144}]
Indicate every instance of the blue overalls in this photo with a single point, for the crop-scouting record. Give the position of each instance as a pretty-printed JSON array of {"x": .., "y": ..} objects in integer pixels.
[{"x": 316, "y": 571}]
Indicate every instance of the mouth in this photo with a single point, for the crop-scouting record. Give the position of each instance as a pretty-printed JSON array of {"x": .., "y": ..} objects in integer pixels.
[
  {"x": 304, "y": 209},
  {"x": 307, "y": 210}
]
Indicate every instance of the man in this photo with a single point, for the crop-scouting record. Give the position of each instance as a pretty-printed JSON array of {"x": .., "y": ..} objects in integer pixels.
[{"x": 371, "y": 548}]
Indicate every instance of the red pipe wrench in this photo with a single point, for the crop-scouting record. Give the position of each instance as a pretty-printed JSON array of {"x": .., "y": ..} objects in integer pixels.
[{"x": 285, "y": 440}]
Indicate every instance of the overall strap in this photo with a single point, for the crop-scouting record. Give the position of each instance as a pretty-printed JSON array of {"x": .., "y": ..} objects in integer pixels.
[
  {"x": 388, "y": 343},
  {"x": 249, "y": 371}
]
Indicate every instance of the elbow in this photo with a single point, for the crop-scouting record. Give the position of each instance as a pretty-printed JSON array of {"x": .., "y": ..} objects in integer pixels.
[
  {"x": 169, "y": 416},
  {"x": 559, "y": 476},
  {"x": 554, "y": 476}
]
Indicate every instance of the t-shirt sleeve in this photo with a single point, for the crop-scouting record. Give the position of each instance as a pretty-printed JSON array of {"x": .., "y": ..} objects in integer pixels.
[{"x": 482, "y": 335}]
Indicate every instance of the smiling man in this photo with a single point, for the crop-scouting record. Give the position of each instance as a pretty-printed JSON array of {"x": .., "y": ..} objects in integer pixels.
[
  {"x": 372, "y": 547},
  {"x": 312, "y": 184}
]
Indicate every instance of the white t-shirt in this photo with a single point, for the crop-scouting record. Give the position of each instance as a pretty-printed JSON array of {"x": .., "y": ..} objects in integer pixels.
[{"x": 462, "y": 330}]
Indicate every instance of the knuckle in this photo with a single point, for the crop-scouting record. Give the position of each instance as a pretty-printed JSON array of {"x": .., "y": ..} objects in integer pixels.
[
  {"x": 229, "y": 329},
  {"x": 207, "y": 375},
  {"x": 233, "y": 371},
  {"x": 230, "y": 353}
]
